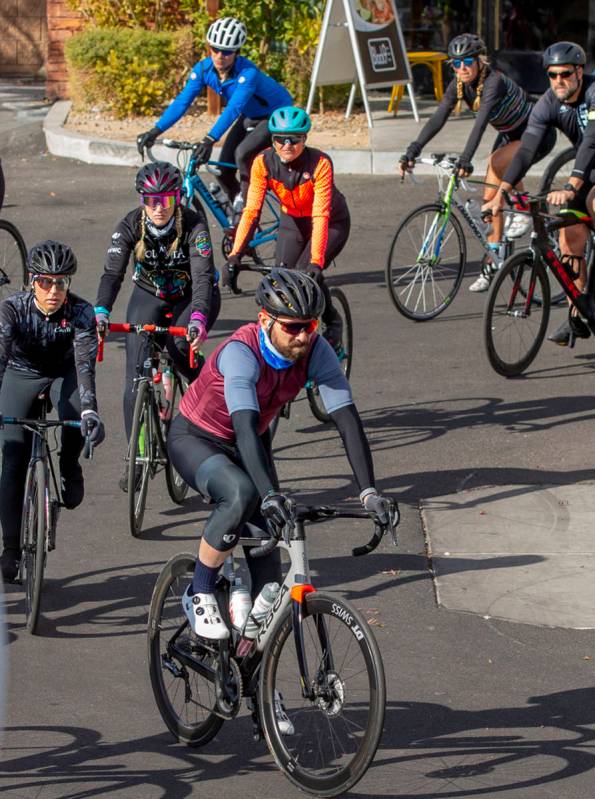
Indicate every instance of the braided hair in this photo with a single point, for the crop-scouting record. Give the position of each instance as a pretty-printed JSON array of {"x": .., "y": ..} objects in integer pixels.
[
  {"x": 141, "y": 248},
  {"x": 483, "y": 70}
]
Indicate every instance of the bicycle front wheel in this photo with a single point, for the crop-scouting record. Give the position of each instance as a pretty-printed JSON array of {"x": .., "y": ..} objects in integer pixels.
[
  {"x": 514, "y": 321},
  {"x": 343, "y": 347},
  {"x": 177, "y": 487},
  {"x": 33, "y": 542},
  {"x": 13, "y": 260},
  {"x": 141, "y": 454},
  {"x": 337, "y": 729},
  {"x": 426, "y": 262},
  {"x": 184, "y": 696}
]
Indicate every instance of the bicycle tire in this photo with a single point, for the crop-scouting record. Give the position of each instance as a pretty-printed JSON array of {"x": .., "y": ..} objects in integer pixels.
[
  {"x": 344, "y": 352},
  {"x": 33, "y": 542},
  {"x": 350, "y": 731},
  {"x": 13, "y": 260},
  {"x": 177, "y": 487},
  {"x": 512, "y": 337},
  {"x": 165, "y": 617},
  {"x": 557, "y": 174},
  {"x": 141, "y": 445},
  {"x": 440, "y": 281}
]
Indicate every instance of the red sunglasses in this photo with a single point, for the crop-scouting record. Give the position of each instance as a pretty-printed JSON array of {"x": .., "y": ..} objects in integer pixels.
[{"x": 295, "y": 328}]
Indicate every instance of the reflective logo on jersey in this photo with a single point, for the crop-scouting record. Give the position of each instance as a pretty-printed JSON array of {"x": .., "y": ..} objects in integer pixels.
[
  {"x": 591, "y": 115},
  {"x": 241, "y": 79},
  {"x": 193, "y": 76},
  {"x": 582, "y": 116},
  {"x": 203, "y": 244}
]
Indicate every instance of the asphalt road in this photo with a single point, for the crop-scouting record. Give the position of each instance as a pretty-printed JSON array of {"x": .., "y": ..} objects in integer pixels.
[{"x": 476, "y": 707}]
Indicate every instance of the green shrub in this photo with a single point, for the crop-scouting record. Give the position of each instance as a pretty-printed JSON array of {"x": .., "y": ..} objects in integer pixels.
[
  {"x": 127, "y": 71},
  {"x": 149, "y": 14}
]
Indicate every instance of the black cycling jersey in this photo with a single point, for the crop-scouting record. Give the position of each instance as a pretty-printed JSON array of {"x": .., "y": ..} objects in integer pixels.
[
  {"x": 503, "y": 104},
  {"x": 43, "y": 345},
  {"x": 189, "y": 269},
  {"x": 577, "y": 122}
]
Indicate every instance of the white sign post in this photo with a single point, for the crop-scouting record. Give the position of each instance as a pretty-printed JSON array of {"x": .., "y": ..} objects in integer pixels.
[{"x": 361, "y": 42}]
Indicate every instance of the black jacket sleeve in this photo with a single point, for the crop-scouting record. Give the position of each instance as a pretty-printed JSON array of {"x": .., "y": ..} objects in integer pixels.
[
  {"x": 540, "y": 120},
  {"x": 7, "y": 321},
  {"x": 494, "y": 90},
  {"x": 436, "y": 122},
  {"x": 349, "y": 425},
  {"x": 85, "y": 356},
  {"x": 252, "y": 451},
  {"x": 202, "y": 267},
  {"x": 585, "y": 157},
  {"x": 116, "y": 261}
]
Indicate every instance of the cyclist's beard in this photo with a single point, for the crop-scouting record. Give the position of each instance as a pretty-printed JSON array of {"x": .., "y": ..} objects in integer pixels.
[
  {"x": 295, "y": 350},
  {"x": 568, "y": 92}
]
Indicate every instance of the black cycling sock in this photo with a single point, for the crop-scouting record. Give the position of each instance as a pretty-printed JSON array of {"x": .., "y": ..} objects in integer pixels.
[{"x": 204, "y": 578}]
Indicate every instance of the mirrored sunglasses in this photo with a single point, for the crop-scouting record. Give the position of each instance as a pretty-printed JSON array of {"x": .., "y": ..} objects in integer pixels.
[
  {"x": 222, "y": 52},
  {"x": 46, "y": 283},
  {"x": 167, "y": 200},
  {"x": 293, "y": 140},
  {"x": 564, "y": 74},
  {"x": 458, "y": 62},
  {"x": 295, "y": 328}
]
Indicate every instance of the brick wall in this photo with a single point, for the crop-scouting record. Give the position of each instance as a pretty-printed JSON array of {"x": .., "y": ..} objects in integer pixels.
[
  {"x": 23, "y": 39},
  {"x": 62, "y": 23}
]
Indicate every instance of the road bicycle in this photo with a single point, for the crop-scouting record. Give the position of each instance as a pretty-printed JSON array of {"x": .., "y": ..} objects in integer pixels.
[
  {"x": 261, "y": 249},
  {"x": 314, "y": 648},
  {"x": 428, "y": 255},
  {"x": 13, "y": 260},
  {"x": 158, "y": 387},
  {"x": 41, "y": 505},
  {"x": 518, "y": 308}
]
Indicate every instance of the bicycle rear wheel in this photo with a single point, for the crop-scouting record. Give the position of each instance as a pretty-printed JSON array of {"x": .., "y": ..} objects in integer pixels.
[
  {"x": 177, "y": 487},
  {"x": 426, "y": 262},
  {"x": 514, "y": 323},
  {"x": 33, "y": 542},
  {"x": 13, "y": 260},
  {"x": 336, "y": 730},
  {"x": 185, "y": 698},
  {"x": 343, "y": 348},
  {"x": 142, "y": 451}
]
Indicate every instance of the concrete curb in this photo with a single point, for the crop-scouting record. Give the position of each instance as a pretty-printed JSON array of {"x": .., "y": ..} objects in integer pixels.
[{"x": 65, "y": 144}]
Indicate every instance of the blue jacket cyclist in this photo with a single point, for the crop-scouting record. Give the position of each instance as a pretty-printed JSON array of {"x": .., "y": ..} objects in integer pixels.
[
  {"x": 249, "y": 96},
  {"x": 47, "y": 337}
]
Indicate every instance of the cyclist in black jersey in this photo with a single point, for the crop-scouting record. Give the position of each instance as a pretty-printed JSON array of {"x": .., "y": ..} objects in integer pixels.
[
  {"x": 2, "y": 186},
  {"x": 569, "y": 106},
  {"x": 47, "y": 337},
  {"x": 175, "y": 282},
  {"x": 497, "y": 100}
]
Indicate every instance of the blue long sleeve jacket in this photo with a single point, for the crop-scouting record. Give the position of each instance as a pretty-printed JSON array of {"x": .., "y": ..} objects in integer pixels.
[{"x": 247, "y": 91}]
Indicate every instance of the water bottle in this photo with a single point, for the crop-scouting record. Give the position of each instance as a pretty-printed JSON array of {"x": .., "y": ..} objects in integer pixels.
[
  {"x": 214, "y": 188},
  {"x": 474, "y": 210},
  {"x": 262, "y": 604},
  {"x": 238, "y": 204},
  {"x": 168, "y": 391},
  {"x": 240, "y": 604}
]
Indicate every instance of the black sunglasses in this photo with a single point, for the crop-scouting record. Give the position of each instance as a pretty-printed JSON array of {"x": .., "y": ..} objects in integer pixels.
[
  {"x": 222, "y": 52},
  {"x": 564, "y": 74},
  {"x": 289, "y": 139}
]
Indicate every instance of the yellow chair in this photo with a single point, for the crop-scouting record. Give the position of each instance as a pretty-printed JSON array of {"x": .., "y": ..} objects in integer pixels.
[{"x": 433, "y": 61}]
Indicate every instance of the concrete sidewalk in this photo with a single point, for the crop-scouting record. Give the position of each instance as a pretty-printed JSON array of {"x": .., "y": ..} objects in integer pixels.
[
  {"x": 388, "y": 139},
  {"x": 22, "y": 108}
]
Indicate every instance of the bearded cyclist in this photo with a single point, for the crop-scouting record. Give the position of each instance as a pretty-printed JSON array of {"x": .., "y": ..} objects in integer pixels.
[
  {"x": 315, "y": 221},
  {"x": 248, "y": 93},
  {"x": 220, "y": 442},
  {"x": 47, "y": 337},
  {"x": 569, "y": 106},
  {"x": 174, "y": 277},
  {"x": 496, "y": 100}
]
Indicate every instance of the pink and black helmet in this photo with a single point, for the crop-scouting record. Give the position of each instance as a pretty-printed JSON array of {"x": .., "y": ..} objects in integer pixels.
[{"x": 158, "y": 177}]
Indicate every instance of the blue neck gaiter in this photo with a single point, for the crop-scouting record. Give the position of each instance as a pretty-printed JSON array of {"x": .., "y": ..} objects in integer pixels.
[{"x": 270, "y": 354}]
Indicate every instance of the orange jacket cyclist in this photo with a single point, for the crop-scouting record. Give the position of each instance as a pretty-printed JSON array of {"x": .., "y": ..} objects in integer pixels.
[{"x": 315, "y": 219}]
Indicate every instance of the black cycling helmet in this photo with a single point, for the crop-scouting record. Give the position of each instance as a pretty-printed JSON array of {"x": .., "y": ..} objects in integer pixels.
[
  {"x": 564, "y": 53},
  {"x": 51, "y": 258},
  {"x": 466, "y": 45},
  {"x": 158, "y": 177},
  {"x": 286, "y": 292}
]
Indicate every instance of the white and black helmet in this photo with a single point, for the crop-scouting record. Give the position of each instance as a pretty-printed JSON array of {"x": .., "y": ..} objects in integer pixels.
[{"x": 227, "y": 33}]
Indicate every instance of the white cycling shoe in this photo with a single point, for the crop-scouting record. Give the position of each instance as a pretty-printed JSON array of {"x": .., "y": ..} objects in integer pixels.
[
  {"x": 517, "y": 225},
  {"x": 202, "y": 611},
  {"x": 283, "y": 722},
  {"x": 482, "y": 283}
]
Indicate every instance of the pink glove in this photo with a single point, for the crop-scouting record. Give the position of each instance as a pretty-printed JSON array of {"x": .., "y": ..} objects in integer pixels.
[{"x": 197, "y": 327}]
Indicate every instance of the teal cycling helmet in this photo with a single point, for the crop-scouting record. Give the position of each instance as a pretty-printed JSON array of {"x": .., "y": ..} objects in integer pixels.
[{"x": 289, "y": 119}]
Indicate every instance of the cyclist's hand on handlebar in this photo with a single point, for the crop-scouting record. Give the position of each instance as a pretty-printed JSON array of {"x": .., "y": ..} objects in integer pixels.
[
  {"x": 278, "y": 510},
  {"x": 197, "y": 330},
  {"x": 405, "y": 165},
  {"x": 92, "y": 426},
  {"x": 384, "y": 511},
  {"x": 203, "y": 149},
  {"x": 494, "y": 206},
  {"x": 147, "y": 140},
  {"x": 102, "y": 322},
  {"x": 464, "y": 167},
  {"x": 560, "y": 197}
]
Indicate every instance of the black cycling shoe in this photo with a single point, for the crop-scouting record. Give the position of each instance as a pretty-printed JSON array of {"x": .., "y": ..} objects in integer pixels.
[
  {"x": 334, "y": 331},
  {"x": 561, "y": 335},
  {"x": 10, "y": 561},
  {"x": 123, "y": 481},
  {"x": 72, "y": 486},
  {"x": 579, "y": 327},
  {"x": 230, "y": 279}
]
